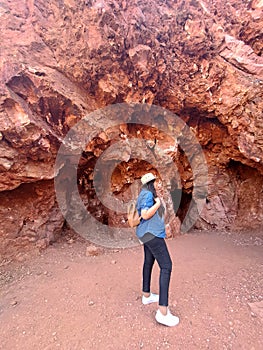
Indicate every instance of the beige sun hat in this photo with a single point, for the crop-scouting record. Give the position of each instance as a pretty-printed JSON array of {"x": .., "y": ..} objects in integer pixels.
[{"x": 147, "y": 178}]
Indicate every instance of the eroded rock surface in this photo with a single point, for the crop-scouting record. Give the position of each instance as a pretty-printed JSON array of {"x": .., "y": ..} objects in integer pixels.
[
  {"x": 61, "y": 60},
  {"x": 29, "y": 215}
]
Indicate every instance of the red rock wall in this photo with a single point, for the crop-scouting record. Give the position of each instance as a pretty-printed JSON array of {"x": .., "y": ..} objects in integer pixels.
[
  {"x": 201, "y": 59},
  {"x": 29, "y": 215}
]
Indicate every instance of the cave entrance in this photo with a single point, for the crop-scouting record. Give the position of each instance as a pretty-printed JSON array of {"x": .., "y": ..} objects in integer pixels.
[{"x": 181, "y": 202}]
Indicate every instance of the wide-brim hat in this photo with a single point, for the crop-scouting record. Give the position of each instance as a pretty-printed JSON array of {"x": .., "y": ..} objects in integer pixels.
[{"x": 147, "y": 178}]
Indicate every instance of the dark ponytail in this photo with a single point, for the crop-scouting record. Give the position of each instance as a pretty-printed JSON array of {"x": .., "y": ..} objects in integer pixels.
[{"x": 150, "y": 187}]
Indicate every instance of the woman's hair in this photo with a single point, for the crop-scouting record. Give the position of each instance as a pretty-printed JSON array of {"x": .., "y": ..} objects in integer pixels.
[{"x": 150, "y": 187}]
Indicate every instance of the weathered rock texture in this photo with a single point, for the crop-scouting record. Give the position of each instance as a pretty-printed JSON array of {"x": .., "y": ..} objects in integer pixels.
[
  {"x": 29, "y": 215},
  {"x": 62, "y": 59}
]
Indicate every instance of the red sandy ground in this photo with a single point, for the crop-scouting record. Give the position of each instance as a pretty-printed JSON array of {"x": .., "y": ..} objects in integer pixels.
[{"x": 63, "y": 299}]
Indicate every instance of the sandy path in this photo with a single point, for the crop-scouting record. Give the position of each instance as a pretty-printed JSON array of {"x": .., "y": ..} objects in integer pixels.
[{"x": 64, "y": 299}]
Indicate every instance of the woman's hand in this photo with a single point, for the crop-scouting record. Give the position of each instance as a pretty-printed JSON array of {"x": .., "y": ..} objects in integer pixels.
[
  {"x": 157, "y": 201},
  {"x": 147, "y": 214}
]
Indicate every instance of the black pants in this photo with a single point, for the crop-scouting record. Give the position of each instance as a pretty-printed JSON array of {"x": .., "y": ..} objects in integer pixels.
[{"x": 155, "y": 249}]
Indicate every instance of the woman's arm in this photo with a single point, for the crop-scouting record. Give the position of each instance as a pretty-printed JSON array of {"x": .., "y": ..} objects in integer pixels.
[{"x": 148, "y": 213}]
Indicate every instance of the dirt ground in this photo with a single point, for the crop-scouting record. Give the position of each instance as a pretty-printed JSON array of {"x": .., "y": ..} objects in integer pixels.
[{"x": 64, "y": 299}]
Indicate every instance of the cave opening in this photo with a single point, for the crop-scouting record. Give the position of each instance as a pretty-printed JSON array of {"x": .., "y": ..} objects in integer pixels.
[
  {"x": 181, "y": 202},
  {"x": 123, "y": 184}
]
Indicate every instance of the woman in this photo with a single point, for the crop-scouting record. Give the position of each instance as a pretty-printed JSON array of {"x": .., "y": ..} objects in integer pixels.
[{"x": 151, "y": 231}]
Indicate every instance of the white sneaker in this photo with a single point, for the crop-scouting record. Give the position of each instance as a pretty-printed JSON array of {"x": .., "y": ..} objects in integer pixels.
[
  {"x": 153, "y": 298},
  {"x": 168, "y": 319}
]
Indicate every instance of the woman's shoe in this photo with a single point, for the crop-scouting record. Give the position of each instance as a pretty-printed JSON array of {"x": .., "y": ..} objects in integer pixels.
[
  {"x": 168, "y": 319},
  {"x": 153, "y": 298}
]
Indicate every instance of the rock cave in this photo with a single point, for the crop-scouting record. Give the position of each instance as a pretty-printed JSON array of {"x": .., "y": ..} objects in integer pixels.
[{"x": 63, "y": 60}]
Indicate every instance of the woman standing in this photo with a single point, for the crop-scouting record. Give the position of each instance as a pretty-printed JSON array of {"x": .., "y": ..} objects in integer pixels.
[{"x": 151, "y": 231}]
